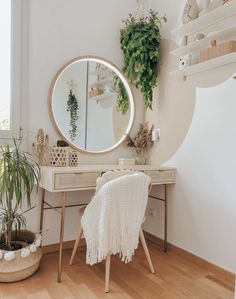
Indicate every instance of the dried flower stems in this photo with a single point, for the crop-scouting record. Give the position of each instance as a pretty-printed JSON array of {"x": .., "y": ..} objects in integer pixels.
[
  {"x": 143, "y": 139},
  {"x": 41, "y": 147}
]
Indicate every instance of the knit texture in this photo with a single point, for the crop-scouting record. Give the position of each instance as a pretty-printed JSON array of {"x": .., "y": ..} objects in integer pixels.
[{"x": 112, "y": 220}]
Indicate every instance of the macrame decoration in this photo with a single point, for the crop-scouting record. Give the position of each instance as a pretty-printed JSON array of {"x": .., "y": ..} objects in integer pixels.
[{"x": 24, "y": 252}]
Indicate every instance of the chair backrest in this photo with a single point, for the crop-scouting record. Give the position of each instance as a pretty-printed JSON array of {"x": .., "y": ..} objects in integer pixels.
[
  {"x": 111, "y": 175},
  {"x": 130, "y": 188},
  {"x": 112, "y": 220}
]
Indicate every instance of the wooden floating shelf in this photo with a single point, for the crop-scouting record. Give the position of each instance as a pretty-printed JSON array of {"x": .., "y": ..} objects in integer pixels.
[
  {"x": 206, "y": 65},
  {"x": 102, "y": 82},
  {"x": 101, "y": 72},
  {"x": 104, "y": 96},
  {"x": 197, "y": 46},
  {"x": 206, "y": 20}
]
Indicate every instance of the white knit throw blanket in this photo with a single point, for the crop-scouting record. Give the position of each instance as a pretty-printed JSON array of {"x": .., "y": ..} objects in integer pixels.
[{"x": 112, "y": 220}]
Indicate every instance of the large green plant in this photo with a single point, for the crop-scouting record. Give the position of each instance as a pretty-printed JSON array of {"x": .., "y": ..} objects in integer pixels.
[
  {"x": 140, "y": 42},
  {"x": 18, "y": 176}
]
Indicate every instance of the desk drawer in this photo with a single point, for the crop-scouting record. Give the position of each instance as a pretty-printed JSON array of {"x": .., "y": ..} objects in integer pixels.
[
  {"x": 75, "y": 180},
  {"x": 161, "y": 176}
]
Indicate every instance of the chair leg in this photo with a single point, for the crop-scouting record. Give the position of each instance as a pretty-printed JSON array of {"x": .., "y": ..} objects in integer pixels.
[
  {"x": 107, "y": 273},
  {"x": 76, "y": 245},
  {"x": 144, "y": 244}
]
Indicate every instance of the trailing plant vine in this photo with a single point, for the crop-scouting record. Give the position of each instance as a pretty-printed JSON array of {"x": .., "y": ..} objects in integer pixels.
[
  {"x": 73, "y": 107},
  {"x": 123, "y": 98},
  {"x": 140, "y": 43}
]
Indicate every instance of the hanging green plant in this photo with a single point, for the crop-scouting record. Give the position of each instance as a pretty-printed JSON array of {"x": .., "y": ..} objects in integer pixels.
[
  {"x": 122, "y": 98},
  {"x": 73, "y": 108},
  {"x": 140, "y": 42}
]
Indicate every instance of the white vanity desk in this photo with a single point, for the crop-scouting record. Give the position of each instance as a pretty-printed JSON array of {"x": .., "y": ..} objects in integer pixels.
[{"x": 83, "y": 177}]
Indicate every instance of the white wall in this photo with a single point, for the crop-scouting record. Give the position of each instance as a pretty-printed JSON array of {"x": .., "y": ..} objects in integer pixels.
[
  {"x": 202, "y": 204},
  {"x": 60, "y": 30},
  {"x": 201, "y": 213}
]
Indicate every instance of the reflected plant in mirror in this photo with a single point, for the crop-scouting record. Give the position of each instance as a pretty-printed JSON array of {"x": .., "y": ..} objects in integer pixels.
[
  {"x": 99, "y": 101},
  {"x": 122, "y": 98},
  {"x": 72, "y": 107}
]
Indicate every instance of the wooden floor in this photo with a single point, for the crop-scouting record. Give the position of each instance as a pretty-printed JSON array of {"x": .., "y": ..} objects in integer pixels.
[{"x": 175, "y": 278}]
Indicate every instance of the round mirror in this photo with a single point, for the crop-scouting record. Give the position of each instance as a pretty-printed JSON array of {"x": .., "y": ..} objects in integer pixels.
[{"x": 91, "y": 104}]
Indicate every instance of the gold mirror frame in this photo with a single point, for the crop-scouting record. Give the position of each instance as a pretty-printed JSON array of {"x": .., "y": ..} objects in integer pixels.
[{"x": 128, "y": 89}]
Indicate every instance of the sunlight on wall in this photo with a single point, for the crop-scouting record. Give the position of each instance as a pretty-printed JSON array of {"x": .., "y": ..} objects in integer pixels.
[{"x": 5, "y": 64}]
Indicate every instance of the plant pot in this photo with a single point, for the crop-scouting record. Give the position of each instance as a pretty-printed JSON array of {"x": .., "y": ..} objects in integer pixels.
[
  {"x": 142, "y": 156},
  {"x": 20, "y": 268}
]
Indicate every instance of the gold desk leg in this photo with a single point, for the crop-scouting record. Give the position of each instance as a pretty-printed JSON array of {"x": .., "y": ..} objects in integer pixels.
[
  {"x": 42, "y": 209},
  {"x": 63, "y": 204},
  {"x": 165, "y": 225}
]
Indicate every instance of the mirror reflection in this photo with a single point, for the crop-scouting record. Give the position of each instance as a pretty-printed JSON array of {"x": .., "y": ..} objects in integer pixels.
[{"x": 92, "y": 105}]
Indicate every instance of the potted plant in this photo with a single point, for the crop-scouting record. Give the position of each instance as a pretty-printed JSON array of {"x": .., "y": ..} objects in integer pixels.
[
  {"x": 141, "y": 142},
  {"x": 19, "y": 249},
  {"x": 140, "y": 42}
]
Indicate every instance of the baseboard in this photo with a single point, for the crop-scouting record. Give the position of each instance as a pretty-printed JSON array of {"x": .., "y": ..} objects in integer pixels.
[
  {"x": 220, "y": 272},
  {"x": 66, "y": 245}
]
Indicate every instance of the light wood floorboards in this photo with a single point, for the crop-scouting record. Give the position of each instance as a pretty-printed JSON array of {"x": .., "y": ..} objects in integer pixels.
[{"x": 175, "y": 278}]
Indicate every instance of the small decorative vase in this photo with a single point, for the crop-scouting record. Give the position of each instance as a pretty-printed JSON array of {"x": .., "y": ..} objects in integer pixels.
[
  {"x": 73, "y": 158},
  {"x": 58, "y": 156},
  {"x": 191, "y": 11},
  {"x": 141, "y": 158}
]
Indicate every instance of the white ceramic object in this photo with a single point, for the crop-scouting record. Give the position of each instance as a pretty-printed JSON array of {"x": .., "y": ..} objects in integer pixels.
[
  {"x": 33, "y": 248},
  {"x": 184, "y": 61},
  {"x": 1, "y": 254},
  {"x": 9, "y": 256},
  {"x": 126, "y": 161},
  {"x": 25, "y": 252},
  {"x": 204, "y": 7},
  {"x": 204, "y": 4},
  {"x": 38, "y": 242},
  {"x": 198, "y": 36},
  {"x": 191, "y": 11},
  {"x": 215, "y": 3}
]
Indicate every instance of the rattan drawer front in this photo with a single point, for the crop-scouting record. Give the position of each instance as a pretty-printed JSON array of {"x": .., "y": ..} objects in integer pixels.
[
  {"x": 159, "y": 176},
  {"x": 75, "y": 180}
]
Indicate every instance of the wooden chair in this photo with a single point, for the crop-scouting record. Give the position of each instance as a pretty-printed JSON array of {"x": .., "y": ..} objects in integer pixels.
[{"x": 108, "y": 258}]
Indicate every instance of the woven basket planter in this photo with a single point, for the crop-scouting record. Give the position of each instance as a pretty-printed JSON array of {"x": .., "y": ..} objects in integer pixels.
[{"x": 20, "y": 268}]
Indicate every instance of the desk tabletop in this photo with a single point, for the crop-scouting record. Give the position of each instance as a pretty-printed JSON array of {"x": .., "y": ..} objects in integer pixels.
[
  {"x": 83, "y": 177},
  {"x": 102, "y": 168}
]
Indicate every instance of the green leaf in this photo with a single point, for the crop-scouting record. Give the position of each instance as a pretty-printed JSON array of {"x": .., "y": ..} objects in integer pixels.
[
  {"x": 140, "y": 42},
  {"x": 18, "y": 176}
]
